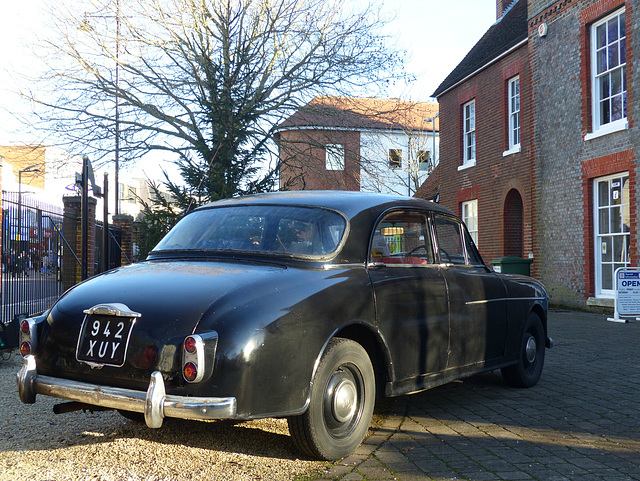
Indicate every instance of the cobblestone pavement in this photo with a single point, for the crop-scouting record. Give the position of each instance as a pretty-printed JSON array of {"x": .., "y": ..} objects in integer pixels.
[{"x": 580, "y": 422}]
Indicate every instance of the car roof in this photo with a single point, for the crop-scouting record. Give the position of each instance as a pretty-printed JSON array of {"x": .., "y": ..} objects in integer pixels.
[
  {"x": 350, "y": 203},
  {"x": 362, "y": 210}
]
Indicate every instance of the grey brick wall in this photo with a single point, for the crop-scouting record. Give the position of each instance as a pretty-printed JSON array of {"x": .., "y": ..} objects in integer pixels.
[{"x": 565, "y": 163}]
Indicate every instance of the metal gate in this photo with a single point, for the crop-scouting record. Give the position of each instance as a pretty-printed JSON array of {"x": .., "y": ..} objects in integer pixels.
[
  {"x": 32, "y": 249},
  {"x": 115, "y": 249}
]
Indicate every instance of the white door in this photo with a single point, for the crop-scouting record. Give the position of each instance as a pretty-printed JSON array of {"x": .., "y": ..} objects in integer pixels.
[{"x": 611, "y": 226}]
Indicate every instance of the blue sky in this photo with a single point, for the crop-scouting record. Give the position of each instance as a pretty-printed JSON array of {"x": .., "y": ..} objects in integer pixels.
[{"x": 437, "y": 34}]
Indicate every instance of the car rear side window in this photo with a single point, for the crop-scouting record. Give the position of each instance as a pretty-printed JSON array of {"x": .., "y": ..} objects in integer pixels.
[
  {"x": 450, "y": 240},
  {"x": 455, "y": 245}
]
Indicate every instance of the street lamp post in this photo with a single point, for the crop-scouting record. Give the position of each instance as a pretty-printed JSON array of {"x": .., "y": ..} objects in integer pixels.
[
  {"x": 433, "y": 125},
  {"x": 117, "y": 152},
  {"x": 86, "y": 26},
  {"x": 30, "y": 169},
  {"x": 433, "y": 131}
]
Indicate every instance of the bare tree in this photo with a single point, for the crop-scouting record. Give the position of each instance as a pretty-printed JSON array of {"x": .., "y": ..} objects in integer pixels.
[{"x": 205, "y": 80}]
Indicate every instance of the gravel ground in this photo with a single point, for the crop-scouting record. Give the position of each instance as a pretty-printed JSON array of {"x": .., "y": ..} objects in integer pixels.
[{"x": 37, "y": 445}]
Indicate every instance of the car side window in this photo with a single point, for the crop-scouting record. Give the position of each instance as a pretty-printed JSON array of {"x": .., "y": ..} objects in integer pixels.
[
  {"x": 450, "y": 240},
  {"x": 402, "y": 238},
  {"x": 472, "y": 251}
]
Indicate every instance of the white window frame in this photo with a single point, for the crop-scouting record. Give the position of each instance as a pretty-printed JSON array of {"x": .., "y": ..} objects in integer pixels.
[
  {"x": 604, "y": 239},
  {"x": 599, "y": 71},
  {"x": 334, "y": 156},
  {"x": 127, "y": 193},
  {"x": 470, "y": 218},
  {"x": 513, "y": 95},
  {"x": 468, "y": 135}
]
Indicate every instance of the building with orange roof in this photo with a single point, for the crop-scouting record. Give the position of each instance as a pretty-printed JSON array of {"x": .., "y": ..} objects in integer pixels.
[{"x": 367, "y": 144}]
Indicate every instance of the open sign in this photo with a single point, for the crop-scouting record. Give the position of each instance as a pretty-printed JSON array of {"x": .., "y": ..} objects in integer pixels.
[{"x": 627, "y": 293}]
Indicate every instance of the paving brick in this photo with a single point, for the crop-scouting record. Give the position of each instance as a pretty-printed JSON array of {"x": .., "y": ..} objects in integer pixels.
[{"x": 580, "y": 422}]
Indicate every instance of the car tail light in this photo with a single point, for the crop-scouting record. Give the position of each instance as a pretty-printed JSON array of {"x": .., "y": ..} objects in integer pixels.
[
  {"x": 25, "y": 348},
  {"x": 190, "y": 344},
  {"x": 28, "y": 336},
  {"x": 24, "y": 326},
  {"x": 190, "y": 371},
  {"x": 198, "y": 356}
]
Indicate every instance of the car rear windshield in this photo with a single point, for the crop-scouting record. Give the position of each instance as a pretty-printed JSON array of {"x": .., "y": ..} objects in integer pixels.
[{"x": 262, "y": 229}]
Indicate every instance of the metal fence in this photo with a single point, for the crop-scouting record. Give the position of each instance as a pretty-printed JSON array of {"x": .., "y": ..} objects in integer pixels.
[
  {"x": 32, "y": 249},
  {"x": 114, "y": 248}
]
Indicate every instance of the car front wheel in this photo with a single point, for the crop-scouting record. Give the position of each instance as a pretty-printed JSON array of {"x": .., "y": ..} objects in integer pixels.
[
  {"x": 526, "y": 372},
  {"x": 341, "y": 403}
]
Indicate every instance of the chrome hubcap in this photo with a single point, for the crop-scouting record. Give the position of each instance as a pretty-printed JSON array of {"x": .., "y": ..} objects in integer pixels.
[
  {"x": 344, "y": 403},
  {"x": 531, "y": 349}
]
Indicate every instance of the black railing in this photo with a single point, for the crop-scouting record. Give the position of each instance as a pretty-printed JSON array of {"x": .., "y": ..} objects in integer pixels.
[
  {"x": 32, "y": 250},
  {"x": 114, "y": 251}
]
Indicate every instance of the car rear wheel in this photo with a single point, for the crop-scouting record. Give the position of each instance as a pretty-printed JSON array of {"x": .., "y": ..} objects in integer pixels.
[
  {"x": 341, "y": 403},
  {"x": 526, "y": 372}
]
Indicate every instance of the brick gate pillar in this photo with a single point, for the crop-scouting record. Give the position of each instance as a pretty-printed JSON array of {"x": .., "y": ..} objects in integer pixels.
[
  {"x": 125, "y": 222},
  {"x": 72, "y": 231}
]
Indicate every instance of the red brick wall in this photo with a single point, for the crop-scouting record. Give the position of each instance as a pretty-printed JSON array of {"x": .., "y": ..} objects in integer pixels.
[
  {"x": 303, "y": 160},
  {"x": 600, "y": 167},
  {"x": 494, "y": 175},
  {"x": 72, "y": 230},
  {"x": 125, "y": 222},
  {"x": 501, "y": 6}
]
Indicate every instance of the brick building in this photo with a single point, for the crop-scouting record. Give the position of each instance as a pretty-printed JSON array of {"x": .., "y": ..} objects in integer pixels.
[
  {"x": 373, "y": 145},
  {"x": 576, "y": 169},
  {"x": 587, "y": 143},
  {"x": 486, "y": 164},
  {"x": 32, "y": 158}
]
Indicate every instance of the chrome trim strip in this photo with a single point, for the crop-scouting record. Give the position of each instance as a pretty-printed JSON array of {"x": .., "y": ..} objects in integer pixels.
[
  {"x": 155, "y": 404},
  {"x": 526, "y": 299},
  {"x": 501, "y": 299},
  {"x": 353, "y": 265}
]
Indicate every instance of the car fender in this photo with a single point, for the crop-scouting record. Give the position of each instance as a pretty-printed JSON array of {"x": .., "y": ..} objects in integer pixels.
[
  {"x": 371, "y": 339},
  {"x": 525, "y": 295},
  {"x": 271, "y": 337}
]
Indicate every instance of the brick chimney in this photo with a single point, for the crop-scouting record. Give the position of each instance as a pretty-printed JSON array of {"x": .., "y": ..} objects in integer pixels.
[{"x": 501, "y": 6}]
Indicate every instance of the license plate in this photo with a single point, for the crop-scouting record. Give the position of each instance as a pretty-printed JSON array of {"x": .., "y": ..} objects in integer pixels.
[{"x": 104, "y": 339}]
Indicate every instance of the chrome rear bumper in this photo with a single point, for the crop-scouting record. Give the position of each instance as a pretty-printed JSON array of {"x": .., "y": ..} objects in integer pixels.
[{"x": 154, "y": 403}]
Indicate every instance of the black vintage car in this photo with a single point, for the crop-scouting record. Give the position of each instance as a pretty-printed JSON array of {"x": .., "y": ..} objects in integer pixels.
[{"x": 305, "y": 305}]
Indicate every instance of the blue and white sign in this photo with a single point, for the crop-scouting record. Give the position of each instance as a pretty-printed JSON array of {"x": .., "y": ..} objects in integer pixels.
[{"x": 627, "y": 293}]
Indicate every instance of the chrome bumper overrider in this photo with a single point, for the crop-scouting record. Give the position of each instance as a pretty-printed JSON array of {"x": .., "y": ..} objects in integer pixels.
[{"x": 154, "y": 403}]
